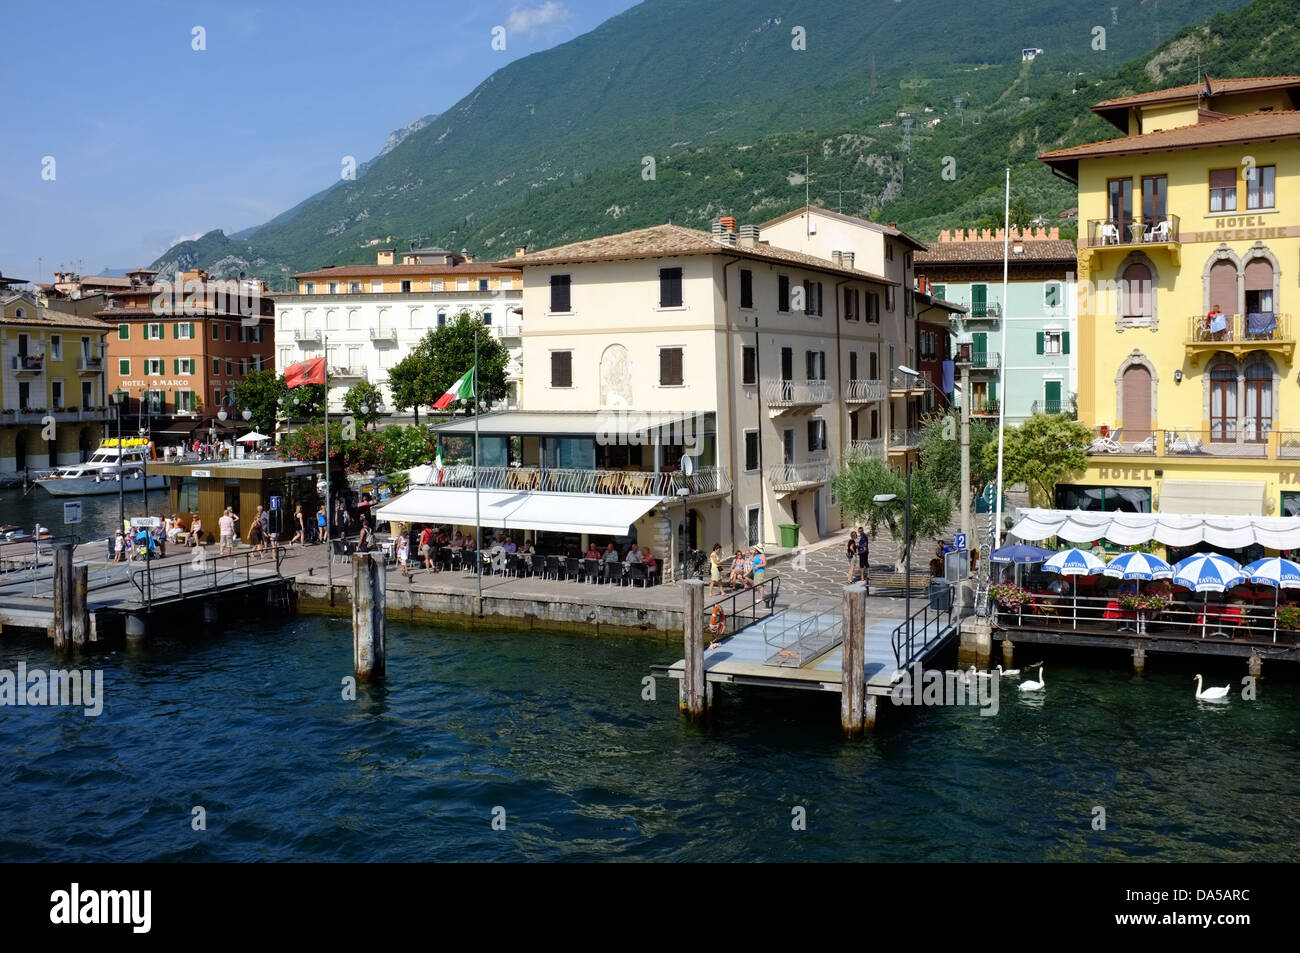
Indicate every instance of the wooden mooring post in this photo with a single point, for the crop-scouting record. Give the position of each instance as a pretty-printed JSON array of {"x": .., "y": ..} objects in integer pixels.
[
  {"x": 695, "y": 691},
  {"x": 80, "y": 615},
  {"x": 63, "y": 596},
  {"x": 853, "y": 687},
  {"x": 369, "y": 604}
]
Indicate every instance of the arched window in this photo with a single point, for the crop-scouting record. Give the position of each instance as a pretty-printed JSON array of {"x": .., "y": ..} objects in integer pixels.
[
  {"x": 1259, "y": 291},
  {"x": 1136, "y": 402},
  {"x": 1223, "y": 402},
  {"x": 1223, "y": 287},
  {"x": 1135, "y": 292},
  {"x": 1259, "y": 401}
]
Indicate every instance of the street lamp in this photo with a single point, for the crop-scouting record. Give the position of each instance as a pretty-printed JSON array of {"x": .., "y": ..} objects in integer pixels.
[{"x": 119, "y": 401}]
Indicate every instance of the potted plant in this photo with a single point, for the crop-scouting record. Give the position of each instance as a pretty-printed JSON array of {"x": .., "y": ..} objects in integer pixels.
[
  {"x": 1288, "y": 617},
  {"x": 1009, "y": 595}
]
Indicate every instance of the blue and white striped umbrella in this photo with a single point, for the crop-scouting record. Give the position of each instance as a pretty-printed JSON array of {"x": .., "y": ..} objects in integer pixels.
[
  {"x": 1138, "y": 566},
  {"x": 1274, "y": 571},
  {"x": 1208, "y": 572},
  {"x": 1075, "y": 562}
]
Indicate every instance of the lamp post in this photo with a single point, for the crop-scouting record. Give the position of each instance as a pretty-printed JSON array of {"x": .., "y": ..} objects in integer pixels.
[{"x": 883, "y": 499}]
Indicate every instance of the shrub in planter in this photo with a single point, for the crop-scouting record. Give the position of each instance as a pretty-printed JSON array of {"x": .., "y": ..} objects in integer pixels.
[
  {"x": 1009, "y": 595},
  {"x": 1288, "y": 617}
]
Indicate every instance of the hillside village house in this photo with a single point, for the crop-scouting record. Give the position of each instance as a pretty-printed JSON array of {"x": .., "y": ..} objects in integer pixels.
[
  {"x": 965, "y": 267},
  {"x": 183, "y": 353},
  {"x": 760, "y": 363},
  {"x": 1188, "y": 369},
  {"x": 373, "y": 315},
  {"x": 53, "y": 370}
]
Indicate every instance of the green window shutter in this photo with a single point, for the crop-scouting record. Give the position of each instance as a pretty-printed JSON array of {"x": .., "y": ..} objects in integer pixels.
[
  {"x": 124, "y": 332},
  {"x": 191, "y": 329},
  {"x": 176, "y": 329},
  {"x": 979, "y": 300},
  {"x": 1040, "y": 342},
  {"x": 1065, "y": 342},
  {"x": 993, "y": 390}
]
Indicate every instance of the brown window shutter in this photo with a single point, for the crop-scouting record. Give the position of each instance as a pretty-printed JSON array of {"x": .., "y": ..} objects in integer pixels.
[{"x": 1223, "y": 178}]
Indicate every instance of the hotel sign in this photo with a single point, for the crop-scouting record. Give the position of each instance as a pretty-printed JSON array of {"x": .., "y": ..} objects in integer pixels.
[
  {"x": 1242, "y": 228},
  {"x": 1125, "y": 473},
  {"x": 155, "y": 382}
]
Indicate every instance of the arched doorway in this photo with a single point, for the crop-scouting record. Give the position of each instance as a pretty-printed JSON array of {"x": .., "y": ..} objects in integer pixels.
[
  {"x": 1223, "y": 402},
  {"x": 1136, "y": 390}
]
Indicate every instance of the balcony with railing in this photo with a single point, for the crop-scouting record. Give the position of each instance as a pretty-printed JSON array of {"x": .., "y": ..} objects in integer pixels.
[
  {"x": 307, "y": 336},
  {"x": 27, "y": 365},
  {"x": 791, "y": 477},
  {"x": 987, "y": 407},
  {"x": 382, "y": 335},
  {"x": 349, "y": 373},
  {"x": 704, "y": 481},
  {"x": 900, "y": 383},
  {"x": 90, "y": 365},
  {"x": 863, "y": 391},
  {"x": 509, "y": 327},
  {"x": 1237, "y": 334},
  {"x": 903, "y": 440},
  {"x": 1127, "y": 232},
  {"x": 985, "y": 310},
  {"x": 986, "y": 360},
  {"x": 1053, "y": 406},
  {"x": 1252, "y": 441},
  {"x": 870, "y": 448},
  {"x": 782, "y": 396}
]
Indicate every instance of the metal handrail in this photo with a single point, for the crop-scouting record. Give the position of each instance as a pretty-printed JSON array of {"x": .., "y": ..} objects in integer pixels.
[
  {"x": 602, "y": 482},
  {"x": 904, "y": 638},
  {"x": 784, "y": 393},
  {"x": 864, "y": 391},
  {"x": 145, "y": 582},
  {"x": 765, "y": 594}
]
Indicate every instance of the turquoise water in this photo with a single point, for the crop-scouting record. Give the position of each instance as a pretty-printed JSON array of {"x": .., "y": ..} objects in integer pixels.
[{"x": 250, "y": 724}]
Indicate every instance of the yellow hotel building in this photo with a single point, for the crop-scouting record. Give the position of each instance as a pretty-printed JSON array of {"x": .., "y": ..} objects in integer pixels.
[{"x": 1189, "y": 298}]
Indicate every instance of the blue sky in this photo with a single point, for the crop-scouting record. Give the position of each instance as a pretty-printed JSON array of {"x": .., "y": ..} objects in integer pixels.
[{"x": 153, "y": 141}]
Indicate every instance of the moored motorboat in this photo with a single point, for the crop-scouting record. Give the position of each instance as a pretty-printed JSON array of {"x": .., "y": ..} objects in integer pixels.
[{"x": 108, "y": 468}]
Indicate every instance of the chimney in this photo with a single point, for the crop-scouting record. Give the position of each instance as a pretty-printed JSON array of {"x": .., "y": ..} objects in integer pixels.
[
  {"x": 468, "y": 259},
  {"x": 893, "y": 225},
  {"x": 749, "y": 236},
  {"x": 838, "y": 258},
  {"x": 728, "y": 223},
  {"x": 847, "y": 259},
  {"x": 521, "y": 250},
  {"x": 1054, "y": 233}
]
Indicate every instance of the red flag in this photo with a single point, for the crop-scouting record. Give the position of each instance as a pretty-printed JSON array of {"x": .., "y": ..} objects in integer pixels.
[{"x": 305, "y": 372}]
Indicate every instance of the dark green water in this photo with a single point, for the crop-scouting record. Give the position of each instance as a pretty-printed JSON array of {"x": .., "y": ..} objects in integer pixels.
[{"x": 250, "y": 724}]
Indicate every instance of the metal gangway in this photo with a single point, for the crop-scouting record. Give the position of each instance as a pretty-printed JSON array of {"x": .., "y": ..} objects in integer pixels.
[{"x": 805, "y": 631}]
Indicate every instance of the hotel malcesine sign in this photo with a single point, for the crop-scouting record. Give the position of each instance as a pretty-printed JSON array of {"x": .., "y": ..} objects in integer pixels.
[
  {"x": 1149, "y": 473},
  {"x": 159, "y": 382},
  {"x": 1243, "y": 228}
]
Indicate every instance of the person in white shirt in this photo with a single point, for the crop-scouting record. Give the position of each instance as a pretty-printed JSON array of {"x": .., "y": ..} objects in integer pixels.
[
  {"x": 633, "y": 555},
  {"x": 227, "y": 525}
]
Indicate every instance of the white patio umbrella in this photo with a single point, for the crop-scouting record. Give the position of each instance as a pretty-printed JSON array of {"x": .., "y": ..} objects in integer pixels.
[
  {"x": 253, "y": 437},
  {"x": 1138, "y": 566},
  {"x": 1276, "y": 572},
  {"x": 1206, "y": 573},
  {"x": 1075, "y": 562}
]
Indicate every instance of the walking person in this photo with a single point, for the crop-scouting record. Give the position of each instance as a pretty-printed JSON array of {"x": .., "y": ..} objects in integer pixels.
[
  {"x": 851, "y": 551},
  {"x": 227, "y": 526},
  {"x": 715, "y": 569},
  {"x": 403, "y": 552},
  {"x": 426, "y": 547},
  {"x": 320, "y": 525},
  {"x": 864, "y": 558},
  {"x": 300, "y": 525}
]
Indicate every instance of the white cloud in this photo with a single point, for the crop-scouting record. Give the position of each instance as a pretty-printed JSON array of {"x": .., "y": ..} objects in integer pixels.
[
  {"x": 183, "y": 238},
  {"x": 528, "y": 20}
]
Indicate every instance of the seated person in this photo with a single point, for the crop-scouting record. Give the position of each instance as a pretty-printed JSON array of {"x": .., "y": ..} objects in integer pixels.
[
  {"x": 648, "y": 559},
  {"x": 634, "y": 555},
  {"x": 510, "y": 548},
  {"x": 610, "y": 554},
  {"x": 592, "y": 552}
]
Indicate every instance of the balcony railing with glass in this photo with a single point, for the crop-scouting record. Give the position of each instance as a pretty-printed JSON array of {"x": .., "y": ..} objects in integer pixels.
[
  {"x": 782, "y": 393},
  {"x": 905, "y": 439},
  {"x": 603, "y": 482},
  {"x": 1238, "y": 333},
  {"x": 27, "y": 363},
  {"x": 784, "y": 477},
  {"x": 1103, "y": 232},
  {"x": 863, "y": 391},
  {"x": 898, "y": 381}
]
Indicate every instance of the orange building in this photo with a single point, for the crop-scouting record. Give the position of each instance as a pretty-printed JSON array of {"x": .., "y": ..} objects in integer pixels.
[{"x": 180, "y": 346}]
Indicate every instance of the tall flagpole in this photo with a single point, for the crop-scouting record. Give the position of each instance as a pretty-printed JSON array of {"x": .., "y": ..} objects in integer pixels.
[
  {"x": 329, "y": 510},
  {"x": 478, "y": 529},
  {"x": 1002, "y": 363}
]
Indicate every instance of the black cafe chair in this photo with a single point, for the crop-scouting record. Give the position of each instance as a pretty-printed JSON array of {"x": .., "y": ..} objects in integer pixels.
[
  {"x": 591, "y": 570},
  {"x": 638, "y": 573},
  {"x": 573, "y": 567},
  {"x": 553, "y": 567}
]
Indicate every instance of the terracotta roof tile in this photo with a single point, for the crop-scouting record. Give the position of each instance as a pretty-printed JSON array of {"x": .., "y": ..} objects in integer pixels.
[
  {"x": 344, "y": 272},
  {"x": 1043, "y": 250},
  {"x": 665, "y": 241},
  {"x": 1218, "y": 87},
  {"x": 49, "y": 318}
]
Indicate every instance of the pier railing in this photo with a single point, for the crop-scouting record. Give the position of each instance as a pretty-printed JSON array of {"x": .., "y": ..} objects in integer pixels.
[
  {"x": 170, "y": 583},
  {"x": 913, "y": 638},
  {"x": 747, "y": 606}
]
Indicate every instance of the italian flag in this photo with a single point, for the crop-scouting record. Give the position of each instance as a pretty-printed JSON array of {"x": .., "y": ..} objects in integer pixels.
[{"x": 463, "y": 389}]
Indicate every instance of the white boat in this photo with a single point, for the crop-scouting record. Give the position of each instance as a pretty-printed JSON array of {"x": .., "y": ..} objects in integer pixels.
[{"x": 108, "y": 468}]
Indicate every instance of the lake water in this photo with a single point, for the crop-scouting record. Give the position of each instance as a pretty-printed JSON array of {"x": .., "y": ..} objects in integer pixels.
[{"x": 250, "y": 724}]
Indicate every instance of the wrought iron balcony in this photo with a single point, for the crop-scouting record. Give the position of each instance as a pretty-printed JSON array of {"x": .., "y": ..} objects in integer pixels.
[
  {"x": 603, "y": 482},
  {"x": 788, "y": 477},
  {"x": 864, "y": 391},
  {"x": 1103, "y": 232},
  {"x": 90, "y": 365},
  {"x": 383, "y": 335},
  {"x": 1238, "y": 333},
  {"x": 783, "y": 394},
  {"x": 307, "y": 335},
  {"x": 871, "y": 448}
]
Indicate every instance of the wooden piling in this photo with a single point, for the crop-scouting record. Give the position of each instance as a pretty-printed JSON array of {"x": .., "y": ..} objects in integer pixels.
[
  {"x": 1255, "y": 665},
  {"x": 369, "y": 605},
  {"x": 693, "y": 701},
  {"x": 1008, "y": 653},
  {"x": 1139, "y": 659},
  {"x": 853, "y": 687},
  {"x": 63, "y": 596},
  {"x": 80, "y": 615}
]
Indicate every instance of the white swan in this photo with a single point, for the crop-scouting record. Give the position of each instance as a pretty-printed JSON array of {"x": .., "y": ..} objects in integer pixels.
[
  {"x": 1006, "y": 672},
  {"x": 979, "y": 674},
  {"x": 1034, "y": 686},
  {"x": 1211, "y": 694}
]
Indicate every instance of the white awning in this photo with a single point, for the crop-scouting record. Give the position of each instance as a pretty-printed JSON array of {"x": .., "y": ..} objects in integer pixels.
[
  {"x": 1173, "y": 529},
  {"x": 1245, "y": 497},
  {"x": 516, "y": 509}
]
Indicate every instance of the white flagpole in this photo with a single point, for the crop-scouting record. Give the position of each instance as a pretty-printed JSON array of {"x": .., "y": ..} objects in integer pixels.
[
  {"x": 478, "y": 529},
  {"x": 1002, "y": 362},
  {"x": 329, "y": 513}
]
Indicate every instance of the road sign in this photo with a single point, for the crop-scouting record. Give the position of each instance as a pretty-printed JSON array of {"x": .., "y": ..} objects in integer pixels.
[
  {"x": 959, "y": 541},
  {"x": 275, "y": 502},
  {"x": 72, "y": 512}
]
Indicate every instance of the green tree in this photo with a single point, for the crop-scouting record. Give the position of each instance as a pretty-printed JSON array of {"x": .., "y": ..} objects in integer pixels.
[
  {"x": 362, "y": 401},
  {"x": 451, "y": 349},
  {"x": 261, "y": 392},
  {"x": 863, "y": 478},
  {"x": 410, "y": 382},
  {"x": 306, "y": 402},
  {"x": 941, "y": 451},
  {"x": 1041, "y": 452}
]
